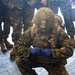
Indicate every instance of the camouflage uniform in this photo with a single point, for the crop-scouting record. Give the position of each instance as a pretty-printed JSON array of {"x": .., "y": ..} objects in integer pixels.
[
  {"x": 45, "y": 34},
  {"x": 5, "y": 18},
  {"x": 65, "y": 7},
  {"x": 28, "y": 11},
  {"x": 59, "y": 21},
  {"x": 15, "y": 15},
  {"x": 21, "y": 11},
  {"x": 27, "y": 14}
]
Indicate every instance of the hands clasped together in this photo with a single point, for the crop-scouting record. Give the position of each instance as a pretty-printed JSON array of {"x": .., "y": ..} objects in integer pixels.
[{"x": 36, "y": 51}]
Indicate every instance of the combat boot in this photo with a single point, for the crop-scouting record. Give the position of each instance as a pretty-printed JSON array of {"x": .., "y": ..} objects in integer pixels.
[
  {"x": 8, "y": 45},
  {"x": 13, "y": 52},
  {"x": 33, "y": 73},
  {"x": 3, "y": 47}
]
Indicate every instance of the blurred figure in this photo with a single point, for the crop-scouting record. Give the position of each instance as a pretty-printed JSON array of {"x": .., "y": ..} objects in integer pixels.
[
  {"x": 43, "y": 45},
  {"x": 4, "y": 34},
  {"x": 21, "y": 12},
  {"x": 59, "y": 21},
  {"x": 40, "y": 3},
  {"x": 73, "y": 2},
  {"x": 65, "y": 6}
]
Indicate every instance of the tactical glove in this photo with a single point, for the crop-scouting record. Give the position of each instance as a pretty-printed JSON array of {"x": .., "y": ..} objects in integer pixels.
[
  {"x": 35, "y": 51},
  {"x": 47, "y": 52}
]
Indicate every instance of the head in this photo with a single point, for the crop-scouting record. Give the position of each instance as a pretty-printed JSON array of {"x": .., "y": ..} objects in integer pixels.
[
  {"x": 31, "y": 2},
  {"x": 44, "y": 18},
  {"x": 58, "y": 20}
]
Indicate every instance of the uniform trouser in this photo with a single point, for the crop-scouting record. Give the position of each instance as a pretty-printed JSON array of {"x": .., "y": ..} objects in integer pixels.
[
  {"x": 7, "y": 23},
  {"x": 20, "y": 17},
  {"x": 0, "y": 32},
  {"x": 53, "y": 69},
  {"x": 5, "y": 18},
  {"x": 16, "y": 18},
  {"x": 27, "y": 14},
  {"x": 66, "y": 12}
]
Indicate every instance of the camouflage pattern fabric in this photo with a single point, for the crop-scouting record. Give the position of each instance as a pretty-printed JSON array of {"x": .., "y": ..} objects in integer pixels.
[
  {"x": 59, "y": 21},
  {"x": 64, "y": 51},
  {"x": 65, "y": 7},
  {"x": 55, "y": 38},
  {"x": 15, "y": 16},
  {"x": 28, "y": 12},
  {"x": 17, "y": 3},
  {"x": 22, "y": 13}
]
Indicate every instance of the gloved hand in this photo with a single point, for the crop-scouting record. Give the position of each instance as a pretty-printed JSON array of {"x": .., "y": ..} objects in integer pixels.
[
  {"x": 35, "y": 51},
  {"x": 47, "y": 52}
]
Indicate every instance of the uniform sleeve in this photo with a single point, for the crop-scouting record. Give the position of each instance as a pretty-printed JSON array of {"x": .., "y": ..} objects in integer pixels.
[
  {"x": 18, "y": 4},
  {"x": 23, "y": 45},
  {"x": 65, "y": 47}
]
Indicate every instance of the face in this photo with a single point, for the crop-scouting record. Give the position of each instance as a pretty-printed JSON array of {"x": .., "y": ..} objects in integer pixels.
[
  {"x": 43, "y": 24},
  {"x": 31, "y": 2},
  {"x": 44, "y": 2}
]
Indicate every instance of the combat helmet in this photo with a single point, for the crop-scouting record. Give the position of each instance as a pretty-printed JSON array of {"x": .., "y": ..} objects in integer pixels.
[{"x": 44, "y": 18}]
